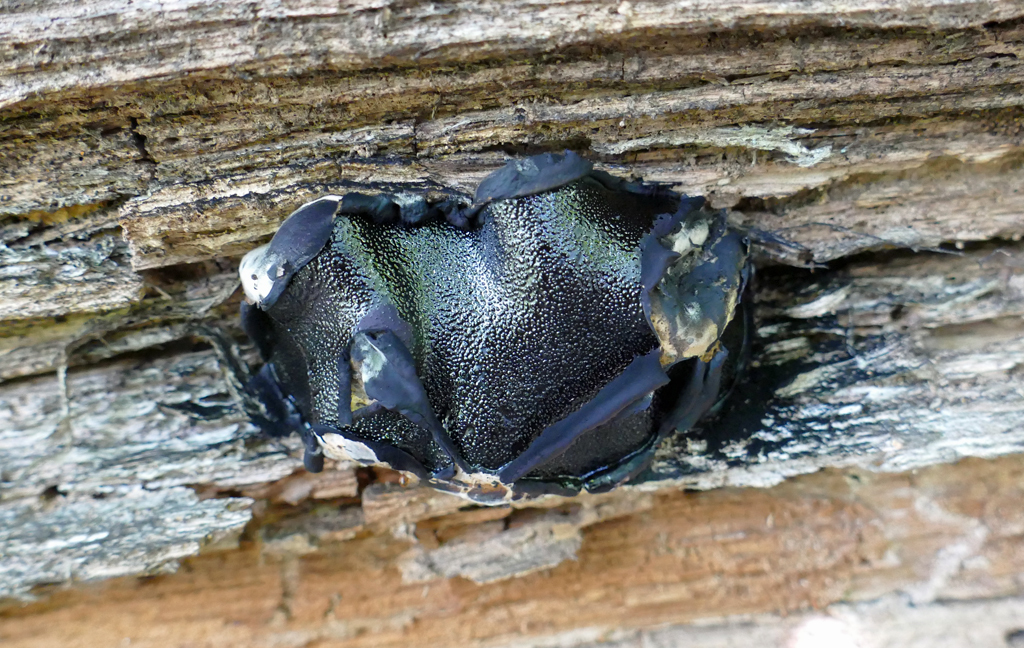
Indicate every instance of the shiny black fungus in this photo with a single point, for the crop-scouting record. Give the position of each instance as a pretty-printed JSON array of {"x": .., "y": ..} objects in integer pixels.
[{"x": 542, "y": 339}]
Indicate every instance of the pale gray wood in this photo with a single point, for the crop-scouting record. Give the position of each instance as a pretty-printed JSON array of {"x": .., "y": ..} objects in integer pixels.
[{"x": 102, "y": 483}]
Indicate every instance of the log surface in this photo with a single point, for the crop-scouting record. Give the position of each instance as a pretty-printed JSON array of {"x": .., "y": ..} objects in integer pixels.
[{"x": 144, "y": 148}]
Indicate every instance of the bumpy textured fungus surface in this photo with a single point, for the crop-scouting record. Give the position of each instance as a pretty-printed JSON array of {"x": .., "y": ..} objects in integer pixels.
[{"x": 541, "y": 339}]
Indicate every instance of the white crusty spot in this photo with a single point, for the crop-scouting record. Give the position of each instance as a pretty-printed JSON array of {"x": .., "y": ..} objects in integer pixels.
[
  {"x": 340, "y": 448},
  {"x": 785, "y": 139},
  {"x": 689, "y": 238},
  {"x": 406, "y": 199},
  {"x": 372, "y": 365},
  {"x": 254, "y": 271}
]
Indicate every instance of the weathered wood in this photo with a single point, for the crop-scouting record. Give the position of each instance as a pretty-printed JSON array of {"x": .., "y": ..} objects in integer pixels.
[
  {"x": 142, "y": 150},
  {"x": 48, "y": 45},
  {"x": 63, "y": 279},
  {"x": 167, "y": 314},
  {"x": 888, "y": 365},
  {"x": 208, "y": 157},
  {"x": 880, "y": 365},
  {"x": 768, "y": 563}
]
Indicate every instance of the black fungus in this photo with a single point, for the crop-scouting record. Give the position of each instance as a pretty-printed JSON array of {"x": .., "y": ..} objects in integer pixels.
[{"x": 540, "y": 340}]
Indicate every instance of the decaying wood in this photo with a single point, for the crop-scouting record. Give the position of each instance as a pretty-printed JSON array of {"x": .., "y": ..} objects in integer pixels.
[
  {"x": 142, "y": 150},
  {"x": 941, "y": 547},
  {"x": 211, "y": 160}
]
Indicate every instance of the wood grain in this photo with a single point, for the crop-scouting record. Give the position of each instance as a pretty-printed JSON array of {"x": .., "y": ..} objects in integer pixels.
[{"x": 936, "y": 536}]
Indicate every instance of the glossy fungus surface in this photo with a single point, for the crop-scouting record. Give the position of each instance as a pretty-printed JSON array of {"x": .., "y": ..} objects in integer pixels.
[{"x": 540, "y": 338}]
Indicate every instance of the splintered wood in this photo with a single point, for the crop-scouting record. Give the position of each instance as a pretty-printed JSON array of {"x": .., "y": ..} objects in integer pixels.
[{"x": 942, "y": 535}]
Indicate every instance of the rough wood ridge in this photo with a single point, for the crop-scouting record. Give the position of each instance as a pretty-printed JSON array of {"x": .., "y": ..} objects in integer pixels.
[{"x": 144, "y": 148}]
